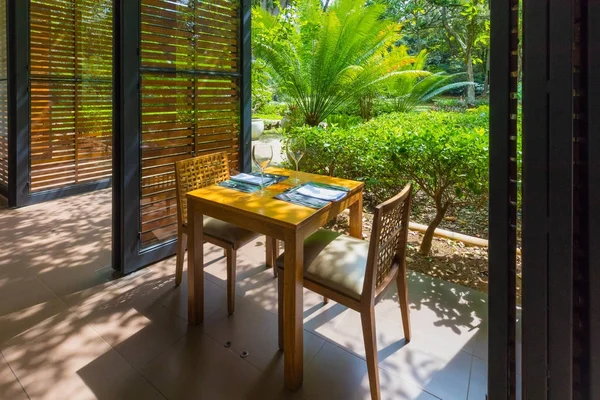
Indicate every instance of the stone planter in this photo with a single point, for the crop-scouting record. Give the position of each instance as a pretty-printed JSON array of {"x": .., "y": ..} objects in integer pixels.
[{"x": 258, "y": 127}]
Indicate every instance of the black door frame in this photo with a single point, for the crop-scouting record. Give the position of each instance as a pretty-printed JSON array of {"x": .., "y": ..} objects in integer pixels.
[
  {"x": 561, "y": 174},
  {"x": 503, "y": 199},
  {"x": 592, "y": 64}
]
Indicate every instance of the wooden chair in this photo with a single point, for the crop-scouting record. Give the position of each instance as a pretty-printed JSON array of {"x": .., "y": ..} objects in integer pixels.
[
  {"x": 356, "y": 273},
  {"x": 195, "y": 173}
]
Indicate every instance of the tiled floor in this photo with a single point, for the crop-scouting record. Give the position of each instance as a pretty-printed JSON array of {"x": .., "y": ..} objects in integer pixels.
[{"x": 68, "y": 330}]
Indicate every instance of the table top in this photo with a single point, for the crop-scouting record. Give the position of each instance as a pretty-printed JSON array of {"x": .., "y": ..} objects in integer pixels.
[{"x": 274, "y": 210}]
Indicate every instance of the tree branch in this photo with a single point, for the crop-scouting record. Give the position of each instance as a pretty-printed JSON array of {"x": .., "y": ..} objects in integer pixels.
[{"x": 452, "y": 31}]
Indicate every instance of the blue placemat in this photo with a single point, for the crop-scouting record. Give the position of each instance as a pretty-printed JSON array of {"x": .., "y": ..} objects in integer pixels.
[
  {"x": 240, "y": 186},
  {"x": 293, "y": 196}
]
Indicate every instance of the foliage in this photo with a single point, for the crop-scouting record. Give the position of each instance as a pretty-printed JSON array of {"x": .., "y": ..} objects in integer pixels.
[
  {"x": 261, "y": 92},
  {"x": 444, "y": 153},
  {"x": 273, "y": 108},
  {"x": 450, "y": 104},
  {"x": 408, "y": 92},
  {"x": 343, "y": 121},
  {"x": 447, "y": 157},
  {"x": 292, "y": 118},
  {"x": 352, "y": 153},
  {"x": 455, "y": 32},
  {"x": 267, "y": 117},
  {"x": 323, "y": 59}
]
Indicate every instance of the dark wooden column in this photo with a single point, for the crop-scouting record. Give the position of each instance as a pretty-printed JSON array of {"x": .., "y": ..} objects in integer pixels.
[
  {"x": 503, "y": 199},
  {"x": 18, "y": 102}
]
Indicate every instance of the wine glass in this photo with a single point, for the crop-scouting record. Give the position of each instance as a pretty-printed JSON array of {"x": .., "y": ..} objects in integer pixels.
[
  {"x": 262, "y": 155},
  {"x": 295, "y": 149}
]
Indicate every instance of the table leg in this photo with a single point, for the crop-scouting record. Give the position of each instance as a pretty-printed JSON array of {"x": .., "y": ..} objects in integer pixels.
[
  {"x": 195, "y": 266},
  {"x": 356, "y": 216},
  {"x": 272, "y": 250},
  {"x": 293, "y": 311}
]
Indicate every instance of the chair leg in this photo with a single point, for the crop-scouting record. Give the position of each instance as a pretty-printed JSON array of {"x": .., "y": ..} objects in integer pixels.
[
  {"x": 181, "y": 246},
  {"x": 325, "y": 300},
  {"x": 403, "y": 298},
  {"x": 231, "y": 261},
  {"x": 368, "y": 325},
  {"x": 280, "y": 308}
]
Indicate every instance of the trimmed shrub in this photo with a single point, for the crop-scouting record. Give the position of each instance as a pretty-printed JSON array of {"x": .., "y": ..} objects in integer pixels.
[{"x": 445, "y": 154}]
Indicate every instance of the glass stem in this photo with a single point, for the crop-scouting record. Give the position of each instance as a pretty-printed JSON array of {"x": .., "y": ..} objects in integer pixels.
[
  {"x": 296, "y": 170},
  {"x": 262, "y": 180}
]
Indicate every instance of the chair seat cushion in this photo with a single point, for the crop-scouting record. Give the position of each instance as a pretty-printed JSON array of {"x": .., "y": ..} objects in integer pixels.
[
  {"x": 336, "y": 261},
  {"x": 230, "y": 233}
]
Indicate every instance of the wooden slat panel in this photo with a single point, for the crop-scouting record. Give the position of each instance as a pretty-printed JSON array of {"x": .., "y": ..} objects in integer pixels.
[
  {"x": 190, "y": 35},
  {"x": 184, "y": 114},
  {"x": 71, "y": 92}
]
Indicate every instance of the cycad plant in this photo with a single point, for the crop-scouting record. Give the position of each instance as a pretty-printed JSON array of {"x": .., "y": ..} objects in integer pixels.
[
  {"x": 323, "y": 59},
  {"x": 409, "y": 90}
]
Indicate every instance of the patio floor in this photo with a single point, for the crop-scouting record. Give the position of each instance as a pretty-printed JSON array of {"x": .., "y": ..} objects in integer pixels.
[{"x": 70, "y": 330}]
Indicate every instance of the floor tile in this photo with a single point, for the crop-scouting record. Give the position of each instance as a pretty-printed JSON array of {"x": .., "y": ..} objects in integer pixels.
[
  {"x": 336, "y": 374},
  {"x": 70, "y": 360},
  {"x": 215, "y": 297},
  {"x": 445, "y": 310},
  {"x": 254, "y": 330},
  {"x": 138, "y": 335},
  {"x": 478, "y": 381},
  {"x": 15, "y": 323},
  {"x": 198, "y": 367},
  {"x": 10, "y": 388},
  {"x": 442, "y": 377},
  {"x": 20, "y": 292}
]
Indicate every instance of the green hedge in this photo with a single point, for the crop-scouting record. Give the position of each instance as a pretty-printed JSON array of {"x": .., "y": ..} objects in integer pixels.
[{"x": 429, "y": 148}]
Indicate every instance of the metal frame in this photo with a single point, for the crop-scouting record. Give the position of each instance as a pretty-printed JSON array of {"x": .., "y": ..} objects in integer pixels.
[
  {"x": 18, "y": 102},
  {"x": 245, "y": 163},
  {"x": 593, "y": 140},
  {"x": 502, "y": 207},
  {"x": 535, "y": 199},
  {"x": 560, "y": 201},
  {"x": 127, "y": 256},
  {"x": 3, "y": 187}
]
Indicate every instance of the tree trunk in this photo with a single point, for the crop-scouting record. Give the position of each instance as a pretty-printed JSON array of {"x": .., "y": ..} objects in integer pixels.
[
  {"x": 440, "y": 212},
  {"x": 486, "y": 83},
  {"x": 312, "y": 120},
  {"x": 366, "y": 107},
  {"x": 470, "y": 79}
]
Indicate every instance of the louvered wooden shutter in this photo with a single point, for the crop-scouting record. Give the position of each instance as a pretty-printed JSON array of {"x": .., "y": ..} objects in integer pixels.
[
  {"x": 71, "y": 92},
  {"x": 190, "y": 97},
  {"x": 3, "y": 101}
]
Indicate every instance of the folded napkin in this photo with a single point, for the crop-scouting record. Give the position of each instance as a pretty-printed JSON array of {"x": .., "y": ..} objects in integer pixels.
[
  {"x": 240, "y": 186},
  {"x": 321, "y": 192},
  {"x": 294, "y": 197},
  {"x": 251, "y": 179}
]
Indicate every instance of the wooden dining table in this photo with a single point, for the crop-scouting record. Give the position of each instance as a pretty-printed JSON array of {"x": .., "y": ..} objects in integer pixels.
[{"x": 276, "y": 219}]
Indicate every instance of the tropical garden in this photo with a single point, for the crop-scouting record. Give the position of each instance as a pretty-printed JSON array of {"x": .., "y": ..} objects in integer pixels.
[{"x": 386, "y": 92}]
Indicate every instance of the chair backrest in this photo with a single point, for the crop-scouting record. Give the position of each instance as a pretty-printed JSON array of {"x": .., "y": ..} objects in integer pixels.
[
  {"x": 387, "y": 246},
  {"x": 198, "y": 172}
]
